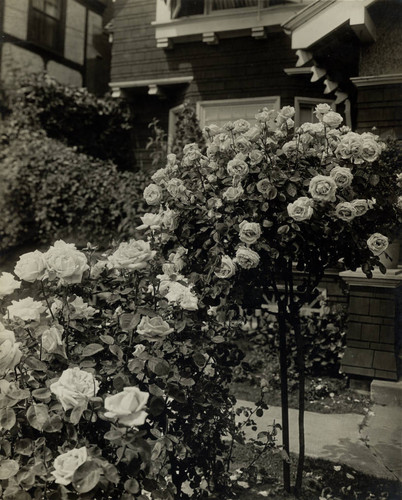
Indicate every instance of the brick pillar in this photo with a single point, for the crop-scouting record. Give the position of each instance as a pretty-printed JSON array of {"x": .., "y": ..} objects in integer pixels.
[{"x": 372, "y": 335}]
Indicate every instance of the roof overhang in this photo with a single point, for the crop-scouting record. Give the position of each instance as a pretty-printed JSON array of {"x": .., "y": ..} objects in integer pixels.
[{"x": 323, "y": 17}]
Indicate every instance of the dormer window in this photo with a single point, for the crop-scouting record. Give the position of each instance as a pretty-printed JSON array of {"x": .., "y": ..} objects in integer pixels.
[{"x": 46, "y": 24}]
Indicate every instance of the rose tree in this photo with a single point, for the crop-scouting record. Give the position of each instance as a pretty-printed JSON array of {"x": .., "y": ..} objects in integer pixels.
[
  {"x": 114, "y": 378},
  {"x": 266, "y": 210}
]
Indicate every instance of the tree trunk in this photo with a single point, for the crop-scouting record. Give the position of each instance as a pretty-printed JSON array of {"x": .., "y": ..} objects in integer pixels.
[
  {"x": 301, "y": 370},
  {"x": 284, "y": 395}
]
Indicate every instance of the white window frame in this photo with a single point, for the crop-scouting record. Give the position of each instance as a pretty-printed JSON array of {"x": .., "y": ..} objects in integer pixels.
[
  {"x": 238, "y": 21},
  {"x": 310, "y": 100},
  {"x": 202, "y": 106}
]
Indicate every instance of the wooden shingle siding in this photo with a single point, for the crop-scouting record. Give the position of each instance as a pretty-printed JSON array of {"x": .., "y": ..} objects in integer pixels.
[
  {"x": 234, "y": 68},
  {"x": 380, "y": 107}
]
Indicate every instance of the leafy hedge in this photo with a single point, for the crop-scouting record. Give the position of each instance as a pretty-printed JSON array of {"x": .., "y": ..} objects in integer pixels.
[
  {"x": 324, "y": 347},
  {"x": 49, "y": 190},
  {"x": 97, "y": 126}
]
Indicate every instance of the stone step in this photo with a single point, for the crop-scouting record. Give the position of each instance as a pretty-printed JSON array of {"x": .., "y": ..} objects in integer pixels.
[{"x": 385, "y": 392}]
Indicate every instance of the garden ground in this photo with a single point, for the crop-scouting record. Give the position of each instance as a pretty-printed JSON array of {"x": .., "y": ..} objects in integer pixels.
[{"x": 349, "y": 455}]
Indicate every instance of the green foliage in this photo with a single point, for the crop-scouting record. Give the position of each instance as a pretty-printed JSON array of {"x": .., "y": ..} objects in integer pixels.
[
  {"x": 96, "y": 126},
  {"x": 49, "y": 190}
]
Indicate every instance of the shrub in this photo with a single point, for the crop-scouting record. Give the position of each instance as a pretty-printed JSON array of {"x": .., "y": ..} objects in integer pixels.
[
  {"x": 97, "y": 126},
  {"x": 265, "y": 197},
  {"x": 325, "y": 345},
  {"x": 49, "y": 190},
  {"x": 187, "y": 130}
]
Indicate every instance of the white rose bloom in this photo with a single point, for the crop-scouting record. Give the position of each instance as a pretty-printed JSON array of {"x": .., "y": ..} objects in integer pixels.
[
  {"x": 176, "y": 188},
  {"x": 332, "y": 119},
  {"x": 26, "y": 309},
  {"x": 127, "y": 407},
  {"x": 241, "y": 126},
  {"x": 253, "y": 134},
  {"x": 97, "y": 269},
  {"x": 233, "y": 193},
  {"x": 139, "y": 349},
  {"x": 227, "y": 268},
  {"x": 74, "y": 388},
  {"x": 242, "y": 144},
  {"x": 264, "y": 186},
  {"x": 151, "y": 221},
  {"x": 237, "y": 167},
  {"x": 8, "y": 284},
  {"x": 31, "y": 266},
  {"x": 65, "y": 262},
  {"x": 247, "y": 258},
  {"x": 301, "y": 209},
  {"x": 321, "y": 110},
  {"x": 189, "y": 301},
  {"x": 345, "y": 211},
  {"x": 361, "y": 206},
  {"x": 169, "y": 219},
  {"x": 52, "y": 341},
  {"x": 377, "y": 243},
  {"x": 371, "y": 150},
  {"x": 135, "y": 254},
  {"x": 249, "y": 232},
  {"x": 154, "y": 329},
  {"x": 342, "y": 176},
  {"x": 322, "y": 188},
  {"x": 351, "y": 148},
  {"x": 81, "y": 309},
  {"x": 67, "y": 463},
  {"x": 160, "y": 176},
  {"x": 10, "y": 354},
  {"x": 178, "y": 293},
  {"x": 153, "y": 194},
  {"x": 211, "y": 130},
  {"x": 256, "y": 156}
]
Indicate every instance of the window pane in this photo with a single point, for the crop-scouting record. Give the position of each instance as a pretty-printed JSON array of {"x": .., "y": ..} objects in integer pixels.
[
  {"x": 38, "y": 4},
  {"x": 181, "y": 8},
  {"x": 53, "y": 8},
  {"x": 44, "y": 30},
  {"x": 233, "y": 4}
]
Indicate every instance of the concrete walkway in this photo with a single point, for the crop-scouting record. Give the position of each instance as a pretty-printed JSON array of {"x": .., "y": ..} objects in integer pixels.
[{"x": 370, "y": 444}]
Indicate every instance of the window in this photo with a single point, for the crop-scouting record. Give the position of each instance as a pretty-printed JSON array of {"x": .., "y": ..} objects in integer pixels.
[
  {"x": 182, "y": 8},
  {"x": 222, "y": 111},
  {"x": 304, "y": 107},
  {"x": 46, "y": 23}
]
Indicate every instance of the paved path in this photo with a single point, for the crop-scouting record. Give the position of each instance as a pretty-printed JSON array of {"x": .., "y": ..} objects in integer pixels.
[{"x": 371, "y": 444}]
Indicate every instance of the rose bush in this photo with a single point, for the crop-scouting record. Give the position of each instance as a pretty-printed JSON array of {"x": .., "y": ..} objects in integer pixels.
[
  {"x": 115, "y": 378},
  {"x": 267, "y": 203}
]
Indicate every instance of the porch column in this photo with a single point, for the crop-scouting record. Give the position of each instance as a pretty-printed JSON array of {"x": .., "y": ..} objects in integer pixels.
[{"x": 374, "y": 330}]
